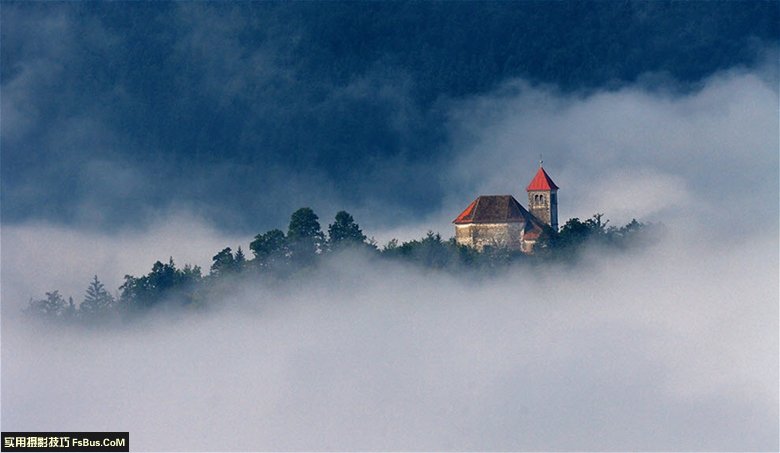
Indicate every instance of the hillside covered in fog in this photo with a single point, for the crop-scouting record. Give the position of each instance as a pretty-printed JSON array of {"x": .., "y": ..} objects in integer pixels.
[
  {"x": 155, "y": 157},
  {"x": 292, "y": 257}
]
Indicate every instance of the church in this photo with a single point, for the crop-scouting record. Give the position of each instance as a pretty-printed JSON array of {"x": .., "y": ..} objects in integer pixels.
[{"x": 499, "y": 221}]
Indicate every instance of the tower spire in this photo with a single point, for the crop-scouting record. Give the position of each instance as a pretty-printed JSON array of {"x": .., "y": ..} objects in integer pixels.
[{"x": 543, "y": 197}]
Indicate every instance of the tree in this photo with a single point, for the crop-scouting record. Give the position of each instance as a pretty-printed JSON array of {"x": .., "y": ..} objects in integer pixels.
[
  {"x": 304, "y": 224},
  {"x": 240, "y": 259},
  {"x": 344, "y": 232},
  {"x": 165, "y": 281},
  {"x": 223, "y": 263},
  {"x": 575, "y": 234},
  {"x": 70, "y": 310},
  {"x": 391, "y": 246},
  {"x": 430, "y": 251},
  {"x": 547, "y": 241},
  {"x": 304, "y": 236},
  {"x": 97, "y": 300},
  {"x": 53, "y": 306},
  {"x": 636, "y": 233},
  {"x": 269, "y": 248},
  {"x": 572, "y": 236},
  {"x": 597, "y": 227}
]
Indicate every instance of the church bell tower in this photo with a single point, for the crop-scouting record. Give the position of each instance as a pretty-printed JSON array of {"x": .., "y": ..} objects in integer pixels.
[{"x": 543, "y": 198}]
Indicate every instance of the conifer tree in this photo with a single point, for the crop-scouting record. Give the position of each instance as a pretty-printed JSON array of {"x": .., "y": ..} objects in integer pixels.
[
  {"x": 344, "y": 231},
  {"x": 240, "y": 259},
  {"x": 97, "y": 301},
  {"x": 53, "y": 306}
]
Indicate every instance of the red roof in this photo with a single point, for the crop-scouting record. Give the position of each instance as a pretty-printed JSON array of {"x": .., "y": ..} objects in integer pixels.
[
  {"x": 493, "y": 209},
  {"x": 541, "y": 181},
  {"x": 468, "y": 214}
]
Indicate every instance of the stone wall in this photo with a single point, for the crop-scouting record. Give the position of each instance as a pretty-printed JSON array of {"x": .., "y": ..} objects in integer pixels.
[
  {"x": 543, "y": 204},
  {"x": 499, "y": 235}
]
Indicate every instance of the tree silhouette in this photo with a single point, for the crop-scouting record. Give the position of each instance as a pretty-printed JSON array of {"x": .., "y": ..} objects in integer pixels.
[
  {"x": 269, "y": 248},
  {"x": 240, "y": 260},
  {"x": 53, "y": 306},
  {"x": 165, "y": 281},
  {"x": 344, "y": 232},
  {"x": 97, "y": 301},
  {"x": 223, "y": 263},
  {"x": 304, "y": 236}
]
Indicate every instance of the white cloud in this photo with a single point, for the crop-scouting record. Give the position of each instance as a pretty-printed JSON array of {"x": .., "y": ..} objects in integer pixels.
[
  {"x": 674, "y": 347},
  {"x": 631, "y": 193},
  {"x": 655, "y": 350},
  {"x": 40, "y": 257},
  {"x": 717, "y": 144}
]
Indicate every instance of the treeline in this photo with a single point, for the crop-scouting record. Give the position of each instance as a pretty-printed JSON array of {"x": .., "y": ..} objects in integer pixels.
[{"x": 277, "y": 255}]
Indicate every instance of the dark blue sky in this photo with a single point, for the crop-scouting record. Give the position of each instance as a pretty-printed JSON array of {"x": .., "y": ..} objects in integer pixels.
[{"x": 243, "y": 112}]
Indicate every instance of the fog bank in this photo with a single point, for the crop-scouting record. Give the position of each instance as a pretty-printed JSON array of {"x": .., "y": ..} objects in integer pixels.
[{"x": 671, "y": 348}]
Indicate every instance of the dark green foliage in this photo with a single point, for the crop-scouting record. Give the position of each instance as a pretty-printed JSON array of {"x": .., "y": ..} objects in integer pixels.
[
  {"x": 575, "y": 235},
  {"x": 575, "y": 232},
  {"x": 240, "y": 260},
  {"x": 282, "y": 256},
  {"x": 223, "y": 263},
  {"x": 390, "y": 247},
  {"x": 164, "y": 282},
  {"x": 304, "y": 224},
  {"x": 304, "y": 236},
  {"x": 344, "y": 232},
  {"x": 431, "y": 251},
  {"x": 97, "y": 301},
  {"x": 269, "y": 249}
]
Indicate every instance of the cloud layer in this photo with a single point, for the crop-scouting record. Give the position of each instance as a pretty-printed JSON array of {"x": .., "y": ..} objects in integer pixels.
[
  {"x": 245, "y": 112},
  {"x": 253, "y": 113},
  {"x": 673, "y": 348},
  {"x": 633, "y": 152}
]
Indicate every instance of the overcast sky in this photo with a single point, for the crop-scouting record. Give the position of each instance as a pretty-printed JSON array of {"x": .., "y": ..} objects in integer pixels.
[
  {"x": 136, "y": 132},
  {"x": 115, "y": 114}
]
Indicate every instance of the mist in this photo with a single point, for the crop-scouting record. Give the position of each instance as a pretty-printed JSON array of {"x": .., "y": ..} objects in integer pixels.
[
  {"x": 638, "y": 151},
  {"x": 669, "y": 347},
  {"x": 241, "y": 113}
]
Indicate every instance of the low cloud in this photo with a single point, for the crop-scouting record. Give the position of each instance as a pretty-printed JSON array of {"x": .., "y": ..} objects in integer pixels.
[
  {"x": 632, "y": 152},
  {"x": 674, "y": 347},
  {"x": 40, "y": 257},
  {"x": 671, "y": 348}
]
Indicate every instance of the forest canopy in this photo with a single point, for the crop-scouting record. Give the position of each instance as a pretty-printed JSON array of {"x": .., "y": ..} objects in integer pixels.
[{"x": 283, "y": 256}]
